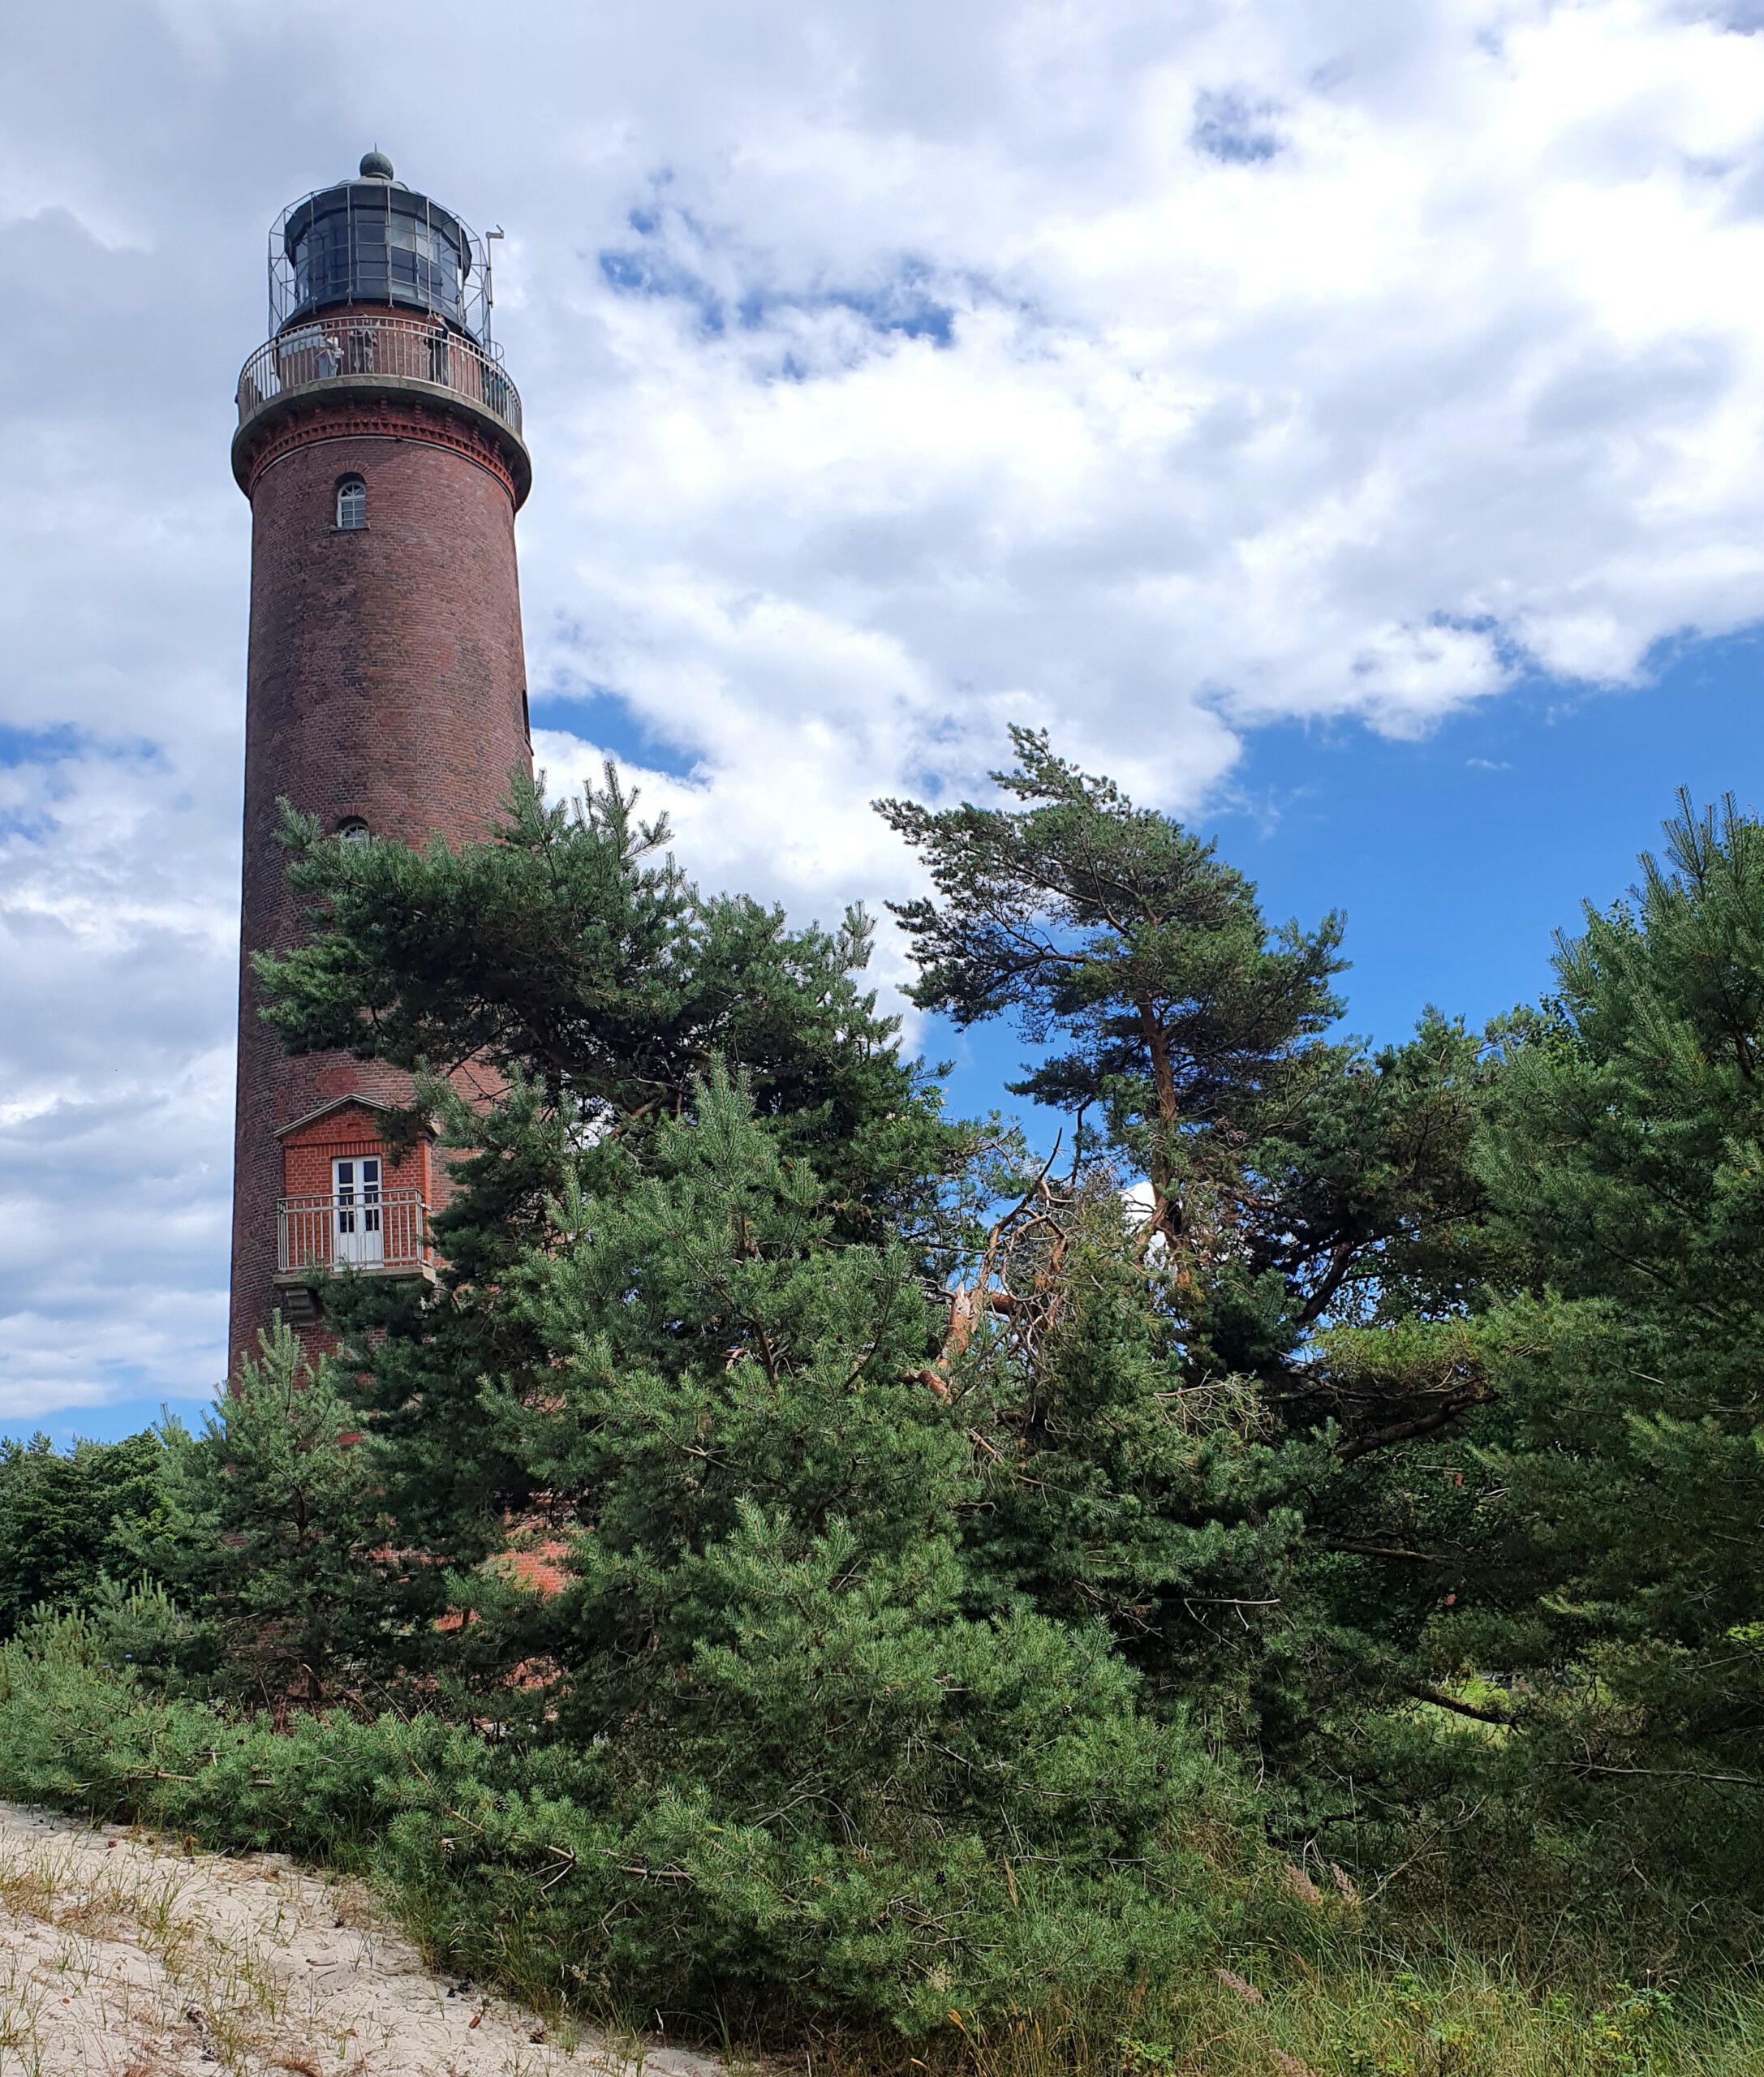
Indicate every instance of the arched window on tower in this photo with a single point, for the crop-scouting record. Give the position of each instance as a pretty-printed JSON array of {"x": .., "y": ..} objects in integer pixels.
[
  {"x": 353, "y": 830},
  {"x": 351, "y": 503}
]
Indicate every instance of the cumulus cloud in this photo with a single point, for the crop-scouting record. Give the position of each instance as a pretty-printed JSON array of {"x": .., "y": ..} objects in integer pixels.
[{"x": 893, "y": 374}]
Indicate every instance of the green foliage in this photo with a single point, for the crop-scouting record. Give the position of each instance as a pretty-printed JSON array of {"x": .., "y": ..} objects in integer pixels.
[
  {"x": 1178, "y": 1399},
  {"x": 1114, "y": 929},
  {"x": 570, "y": 964},
  {"x": 1118, "y": 1485},
  {"x": 268, "y": 1529},
  {"x": 515, "y": 1861},
  {"x": 1621, "y": 1574},
  {"x": 1627, "y": 1155},
  {"x": 762, "y": 1642},
  {"x": 940, "y": 1548},
  {"x": 67, "y": 1518},
  {"x": 489, "y": 1857},
  {"x": 1295, "y": 1181},
  {"x": 566, "y": 952}
]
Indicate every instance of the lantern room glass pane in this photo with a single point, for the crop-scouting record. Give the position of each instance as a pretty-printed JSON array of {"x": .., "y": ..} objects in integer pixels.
[{"x": 374, "y": 244}]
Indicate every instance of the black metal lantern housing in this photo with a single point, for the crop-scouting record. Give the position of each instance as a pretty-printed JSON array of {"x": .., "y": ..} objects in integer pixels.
[{"x": 373, "y": 240}]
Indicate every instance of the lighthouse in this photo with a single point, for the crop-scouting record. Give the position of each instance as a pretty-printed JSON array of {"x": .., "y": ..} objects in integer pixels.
[{"x": 380, "y": 445}]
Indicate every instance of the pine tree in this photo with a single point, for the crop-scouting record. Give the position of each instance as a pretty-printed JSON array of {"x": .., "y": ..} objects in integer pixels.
[
  {"x": 1120, "y": 1486},
  {"x": 567, "y": 951},
  {"x": 1620, "y": 1590},
  {"x": 765, "y": 1653},
  {"x": 271, "y": 1533},
  {"x": 66, "y": 1517},
  {"x": 1207, "y": 1433},
  {"x": 1297, "y": 1184},
  {"x": 1114, "y": 929},
  {"x": 1059, "y": 1421},
  {"x": 569, "y": 958}
]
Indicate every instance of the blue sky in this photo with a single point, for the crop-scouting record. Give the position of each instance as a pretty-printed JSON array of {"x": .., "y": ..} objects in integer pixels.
[
  {"x": 1340, "y": 420},
  {"x": 1456, "y": 858}
]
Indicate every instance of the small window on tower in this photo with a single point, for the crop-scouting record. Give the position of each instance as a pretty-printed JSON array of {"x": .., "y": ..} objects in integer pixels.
[
  {"x": 351, "y": 503},
  {"x": 352, "y": 830}
]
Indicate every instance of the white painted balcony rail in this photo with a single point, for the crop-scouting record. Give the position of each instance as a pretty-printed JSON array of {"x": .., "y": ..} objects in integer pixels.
[
  {"x": 349, "y": 345},
  {"x": 380, "y": 1232}
]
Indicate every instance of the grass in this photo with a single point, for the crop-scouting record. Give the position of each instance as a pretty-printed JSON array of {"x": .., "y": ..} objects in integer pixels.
[
  {"x": 1344, "y": 2010},
  {"x": 1458, "y": 2018},
  {"x": 1349, "y": 2006},
  {"x": 218, "y": 1985}
]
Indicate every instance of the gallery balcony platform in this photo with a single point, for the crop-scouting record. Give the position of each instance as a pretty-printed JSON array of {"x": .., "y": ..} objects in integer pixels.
[
  {"x": 350, "y": 1232},
  {"x": 353, "y": 361}
]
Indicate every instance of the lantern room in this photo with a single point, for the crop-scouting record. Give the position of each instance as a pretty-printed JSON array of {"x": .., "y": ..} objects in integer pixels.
[{"x": 373, "y": 240}]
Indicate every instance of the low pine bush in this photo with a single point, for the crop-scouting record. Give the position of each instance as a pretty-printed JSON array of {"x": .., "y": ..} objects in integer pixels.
[{"x": 1103, "y": 1853}]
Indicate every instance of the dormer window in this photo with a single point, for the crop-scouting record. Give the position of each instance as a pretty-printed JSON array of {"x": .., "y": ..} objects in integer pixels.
[{"x": 351, "y": 504}]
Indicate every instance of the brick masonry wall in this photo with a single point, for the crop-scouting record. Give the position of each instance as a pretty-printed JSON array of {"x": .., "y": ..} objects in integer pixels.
[
  {"x": 307, "y": 1154},
  {"x": 386, "y": 681}
]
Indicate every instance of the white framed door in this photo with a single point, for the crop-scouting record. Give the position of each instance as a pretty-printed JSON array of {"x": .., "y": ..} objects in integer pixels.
[{"x": 358, "y": 1236}]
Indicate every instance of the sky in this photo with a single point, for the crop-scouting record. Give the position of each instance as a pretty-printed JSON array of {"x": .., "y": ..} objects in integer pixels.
[{"x": 1339, "y": 423}]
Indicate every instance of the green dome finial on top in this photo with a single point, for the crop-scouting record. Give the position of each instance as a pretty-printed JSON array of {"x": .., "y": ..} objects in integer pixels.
[{"x": 375, "y": 166}]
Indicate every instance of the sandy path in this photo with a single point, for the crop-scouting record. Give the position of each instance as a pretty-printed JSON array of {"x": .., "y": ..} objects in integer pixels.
[{"x": 122, "y": 1957}]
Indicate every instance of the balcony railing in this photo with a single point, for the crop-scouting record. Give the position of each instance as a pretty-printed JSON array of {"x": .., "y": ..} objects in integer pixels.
[
  {"x": 349, "y": 345},
  {"x": 375, "y": 1234}
]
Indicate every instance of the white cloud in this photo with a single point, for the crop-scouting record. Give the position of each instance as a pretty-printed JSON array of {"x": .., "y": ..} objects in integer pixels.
[{"x": 893, "y": 373}]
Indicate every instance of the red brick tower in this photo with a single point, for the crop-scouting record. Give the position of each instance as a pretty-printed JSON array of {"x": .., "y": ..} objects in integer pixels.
[{"x": 380, "y": 444}]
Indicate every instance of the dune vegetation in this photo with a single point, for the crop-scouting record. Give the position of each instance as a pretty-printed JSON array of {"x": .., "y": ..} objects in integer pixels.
[{"x": 1267, "y": 1579}]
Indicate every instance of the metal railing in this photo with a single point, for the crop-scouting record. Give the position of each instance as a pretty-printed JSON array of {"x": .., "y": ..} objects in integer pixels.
[
  {"x": 401, "y": 349},
  {"x": 375, "y": 1232}
]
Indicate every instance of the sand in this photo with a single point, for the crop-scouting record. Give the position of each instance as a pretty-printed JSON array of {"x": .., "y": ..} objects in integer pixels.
[{"x": 121, "y": 1955}]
